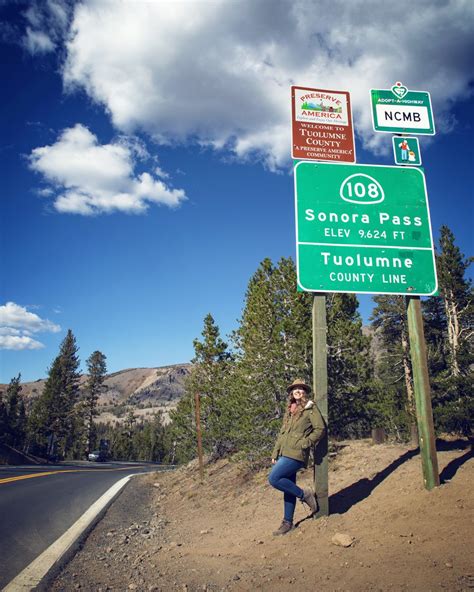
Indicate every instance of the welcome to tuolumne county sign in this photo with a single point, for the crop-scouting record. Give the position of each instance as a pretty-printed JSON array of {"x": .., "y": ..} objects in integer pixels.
[
  {"x": 321, "y": 125},
  {"x": 363, "y": 229}
]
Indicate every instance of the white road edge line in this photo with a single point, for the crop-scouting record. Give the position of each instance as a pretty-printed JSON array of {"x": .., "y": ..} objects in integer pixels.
[{"x": 39, "y": 571}]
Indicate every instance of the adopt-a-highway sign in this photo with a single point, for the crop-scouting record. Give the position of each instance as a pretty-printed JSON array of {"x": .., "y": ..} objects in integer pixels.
[
  {"x": 363, "y": 229},
  {"x": 399, "y": 110}
]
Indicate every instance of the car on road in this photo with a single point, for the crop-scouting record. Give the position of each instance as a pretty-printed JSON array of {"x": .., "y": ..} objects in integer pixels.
[{"x": 97, "y": 456}]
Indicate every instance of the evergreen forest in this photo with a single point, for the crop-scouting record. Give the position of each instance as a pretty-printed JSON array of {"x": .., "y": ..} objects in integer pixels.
[{"x": 242, "y": 380}]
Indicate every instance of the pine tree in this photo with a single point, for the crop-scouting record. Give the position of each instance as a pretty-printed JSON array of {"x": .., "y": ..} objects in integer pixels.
[
  {"x": 127, "y": 434},
  {"x": 3, "y": 420},
  {"x": 22, "y": 425},
  {"x": 293, "y": 310},
  {"x": 146, "y": 440},
  {"x": 182, "y": 431},
  {"x": 15, "y": 414},
  {"x": 53, "y": 422},
  {"x": 458, "y": 301},
  {"x": 207, "y": 378},
  {"x": 449, "y": 324},
  {"x": 349, "y": 368},
  {"x": 97, "y": 369},
  {"x": 390, "y": 322},
  {"x": 435, "y": 328},
  {"x": 157, "y": 445},
  {"x": 259, "y": 385},
  {"x": 274, "y": 345},
  {"x": 243, "y": 398}
]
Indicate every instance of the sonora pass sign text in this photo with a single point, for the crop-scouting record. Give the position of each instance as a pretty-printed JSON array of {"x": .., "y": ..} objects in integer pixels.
[{"x": 363, "y": 228}]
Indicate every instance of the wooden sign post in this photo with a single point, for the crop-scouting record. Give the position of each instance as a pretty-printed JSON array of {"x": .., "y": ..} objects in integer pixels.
[
  {"x": 424, "y": 413},
  {"x": 320, "y": 389}
]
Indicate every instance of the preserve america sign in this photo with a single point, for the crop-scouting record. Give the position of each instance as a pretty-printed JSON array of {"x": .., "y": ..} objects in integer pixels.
[{"x": 321, "y": 125}]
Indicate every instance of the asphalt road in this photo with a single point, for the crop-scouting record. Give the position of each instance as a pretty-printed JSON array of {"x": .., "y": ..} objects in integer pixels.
[{"x": 37, "y": 508}]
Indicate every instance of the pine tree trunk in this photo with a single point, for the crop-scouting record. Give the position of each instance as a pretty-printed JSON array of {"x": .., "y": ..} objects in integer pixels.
[
  {"x": 90, "y": 419},
  {"x": 453, "y": 332}
]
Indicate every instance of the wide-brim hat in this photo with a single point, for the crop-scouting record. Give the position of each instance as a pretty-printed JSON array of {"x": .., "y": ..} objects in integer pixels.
[{"x": 298, "y": 383}]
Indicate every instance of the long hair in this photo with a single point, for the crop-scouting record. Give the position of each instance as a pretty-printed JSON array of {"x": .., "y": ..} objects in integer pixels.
[{"x": 299, "y": 409}]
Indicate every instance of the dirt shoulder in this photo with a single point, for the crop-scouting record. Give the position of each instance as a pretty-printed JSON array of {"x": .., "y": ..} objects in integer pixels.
[{"x": 167, "y": 531}]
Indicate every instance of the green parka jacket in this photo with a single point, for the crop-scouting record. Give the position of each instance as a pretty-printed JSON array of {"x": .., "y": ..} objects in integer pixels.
[{"x": 300, "y": 434}]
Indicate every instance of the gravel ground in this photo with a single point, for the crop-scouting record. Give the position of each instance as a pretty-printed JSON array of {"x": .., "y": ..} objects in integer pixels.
[{"x": 168, "y": 532}]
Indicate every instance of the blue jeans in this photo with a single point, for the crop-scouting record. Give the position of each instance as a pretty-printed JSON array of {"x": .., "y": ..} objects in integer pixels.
[{"x": 283, "y": 478}]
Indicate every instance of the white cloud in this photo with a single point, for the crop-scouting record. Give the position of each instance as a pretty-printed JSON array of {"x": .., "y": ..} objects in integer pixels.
[
  {"x": 92, "y": 178},
  {"x": 17, "y": 325},
  {"x": 48, "y": 22},
  {"x": 19, "y": 343},
  {"x": 37, "y": 42},
  {"x": 16, "y": 316},
  {"x": 219, "y": 72},
  {"x": 159, "y": 172}
]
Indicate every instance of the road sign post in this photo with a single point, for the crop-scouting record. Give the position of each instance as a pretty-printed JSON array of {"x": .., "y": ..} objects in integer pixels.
[
  {"x": 320, "y": 389},
  {"x": 363, "y": 229},
  {"x": 421, "y": 382}
]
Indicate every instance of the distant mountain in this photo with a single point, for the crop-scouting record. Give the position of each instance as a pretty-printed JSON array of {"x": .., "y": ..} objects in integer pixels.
[{"x": 143, "y": 390}]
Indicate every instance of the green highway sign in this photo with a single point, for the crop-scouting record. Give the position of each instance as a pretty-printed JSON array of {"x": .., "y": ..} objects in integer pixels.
[
  {"x": 399, "y": 110},
  {"x": 363, "y": 229},
  {"x": 406, "y": 150}
]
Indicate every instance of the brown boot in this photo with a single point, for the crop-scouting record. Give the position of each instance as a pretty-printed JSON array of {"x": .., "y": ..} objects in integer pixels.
[
  {"x": 310, "y": 499},
  {"x": 285, "y": 527}
]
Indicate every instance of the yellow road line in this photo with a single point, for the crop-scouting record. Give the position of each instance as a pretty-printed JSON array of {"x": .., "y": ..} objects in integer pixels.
[
  {"x": 20, "y": 477},
  {"x": 33, "y": 475}
]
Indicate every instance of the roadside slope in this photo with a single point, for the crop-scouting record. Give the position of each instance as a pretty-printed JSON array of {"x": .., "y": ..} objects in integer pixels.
[{"x": 169, "y": 532}]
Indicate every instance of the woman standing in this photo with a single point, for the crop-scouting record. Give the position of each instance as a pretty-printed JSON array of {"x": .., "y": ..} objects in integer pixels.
[{"x": 302, "y": 427}]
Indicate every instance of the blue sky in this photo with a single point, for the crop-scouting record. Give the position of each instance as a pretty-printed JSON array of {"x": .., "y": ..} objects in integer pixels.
[{"x": 146, "y": 164}]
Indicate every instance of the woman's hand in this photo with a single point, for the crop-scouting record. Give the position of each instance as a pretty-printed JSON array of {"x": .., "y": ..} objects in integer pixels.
[{"x": 273, "y": 461}]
